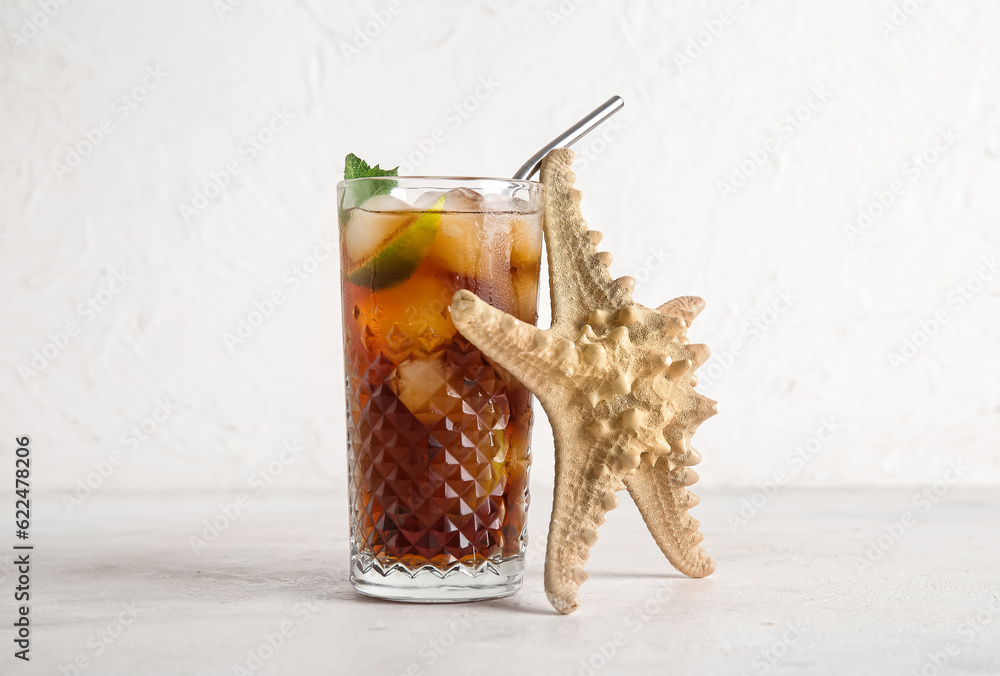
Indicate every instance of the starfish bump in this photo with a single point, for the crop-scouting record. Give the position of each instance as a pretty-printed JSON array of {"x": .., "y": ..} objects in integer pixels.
[{"x": 616, "y": 380}]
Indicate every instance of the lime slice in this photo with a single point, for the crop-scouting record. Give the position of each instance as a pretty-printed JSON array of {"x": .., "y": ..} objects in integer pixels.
[
  {"x": 402, "y": 255},
  {"x": 370, "y": 227}
]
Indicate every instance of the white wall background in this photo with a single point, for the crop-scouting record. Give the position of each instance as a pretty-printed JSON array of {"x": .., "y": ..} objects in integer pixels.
[{"x": 653, "y": 187}]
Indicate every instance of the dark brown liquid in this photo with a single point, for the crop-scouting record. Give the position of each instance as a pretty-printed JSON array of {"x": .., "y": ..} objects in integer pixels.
[{"x": 437, "y": 434}]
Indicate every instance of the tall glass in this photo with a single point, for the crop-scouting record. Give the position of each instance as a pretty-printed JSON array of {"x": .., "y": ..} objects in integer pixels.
[{"x": 437, "y": 434}]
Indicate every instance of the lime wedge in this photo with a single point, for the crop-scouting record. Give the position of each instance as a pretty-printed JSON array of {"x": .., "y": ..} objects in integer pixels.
[{"x": 402, "y": 255}]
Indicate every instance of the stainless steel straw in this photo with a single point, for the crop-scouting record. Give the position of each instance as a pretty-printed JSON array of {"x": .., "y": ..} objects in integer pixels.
[{"x": 571, "y": 135}]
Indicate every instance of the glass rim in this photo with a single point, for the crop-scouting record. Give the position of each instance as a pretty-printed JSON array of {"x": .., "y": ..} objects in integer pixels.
[{"x": 524, "y": 183}]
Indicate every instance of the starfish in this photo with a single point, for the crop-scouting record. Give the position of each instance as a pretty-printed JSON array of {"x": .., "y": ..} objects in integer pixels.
[{"x": 616, "y": 380}]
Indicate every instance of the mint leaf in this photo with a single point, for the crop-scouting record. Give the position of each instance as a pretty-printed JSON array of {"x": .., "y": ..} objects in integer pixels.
[
  {"x": 355, "y": 167},
  {"x": 357, "y": 193}
]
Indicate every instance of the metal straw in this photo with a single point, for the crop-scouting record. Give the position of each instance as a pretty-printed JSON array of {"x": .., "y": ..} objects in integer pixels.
[{"x": 571, "y": 135}]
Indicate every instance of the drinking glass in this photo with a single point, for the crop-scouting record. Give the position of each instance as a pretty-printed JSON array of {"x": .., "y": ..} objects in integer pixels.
[{"x": 437, "y": 434}]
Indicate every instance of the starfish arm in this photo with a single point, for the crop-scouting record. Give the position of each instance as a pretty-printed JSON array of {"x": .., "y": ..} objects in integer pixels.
[
  {"x": 503, "y": 338},
  {"x": 575, "y": 265},
  {"x": 663, "y": 500},
  {"x": 685, "y": 307},
  {"x": 584, "y": 493}
]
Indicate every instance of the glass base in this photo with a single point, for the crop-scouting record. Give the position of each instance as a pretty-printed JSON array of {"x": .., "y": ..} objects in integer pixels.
[{"x": 456, "y": 584}]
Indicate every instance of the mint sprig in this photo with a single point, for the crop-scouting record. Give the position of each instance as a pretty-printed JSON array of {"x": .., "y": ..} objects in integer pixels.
[
  {"x": 355, "y": 167},
  {"x": 357, "y": 193}
]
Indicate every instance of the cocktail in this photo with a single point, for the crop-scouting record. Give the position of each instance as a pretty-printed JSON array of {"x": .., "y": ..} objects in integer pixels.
[{"x": 438, "y": 435}]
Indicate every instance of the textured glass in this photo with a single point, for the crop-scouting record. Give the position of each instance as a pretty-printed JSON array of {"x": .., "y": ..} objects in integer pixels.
[{"x": 438, "y": 435}]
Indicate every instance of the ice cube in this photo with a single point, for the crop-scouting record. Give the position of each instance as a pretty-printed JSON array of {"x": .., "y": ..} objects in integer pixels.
[
  {"x": 497, "y": 202},
  {"x": 428, "y": 199},
  {"x": 419, "y": 383},
  {"x": 374, "y": 223},
  {"x": 475, "y": 239},
  {"x": 456, "y": 199},
  {"x": 385, "y": 203},
  {"x": 463, "y": 199},
  {"x": 460, "y": 243},
  {"x": 526, "y": 242},
  {"x": 419, "y": 309}
]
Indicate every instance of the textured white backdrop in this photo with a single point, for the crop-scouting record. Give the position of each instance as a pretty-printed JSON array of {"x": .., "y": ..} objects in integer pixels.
[{"x": 174, "y": 96}]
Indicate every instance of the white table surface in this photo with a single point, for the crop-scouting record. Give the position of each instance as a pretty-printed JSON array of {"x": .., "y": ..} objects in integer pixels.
[{"x": 788, "y": 597}]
